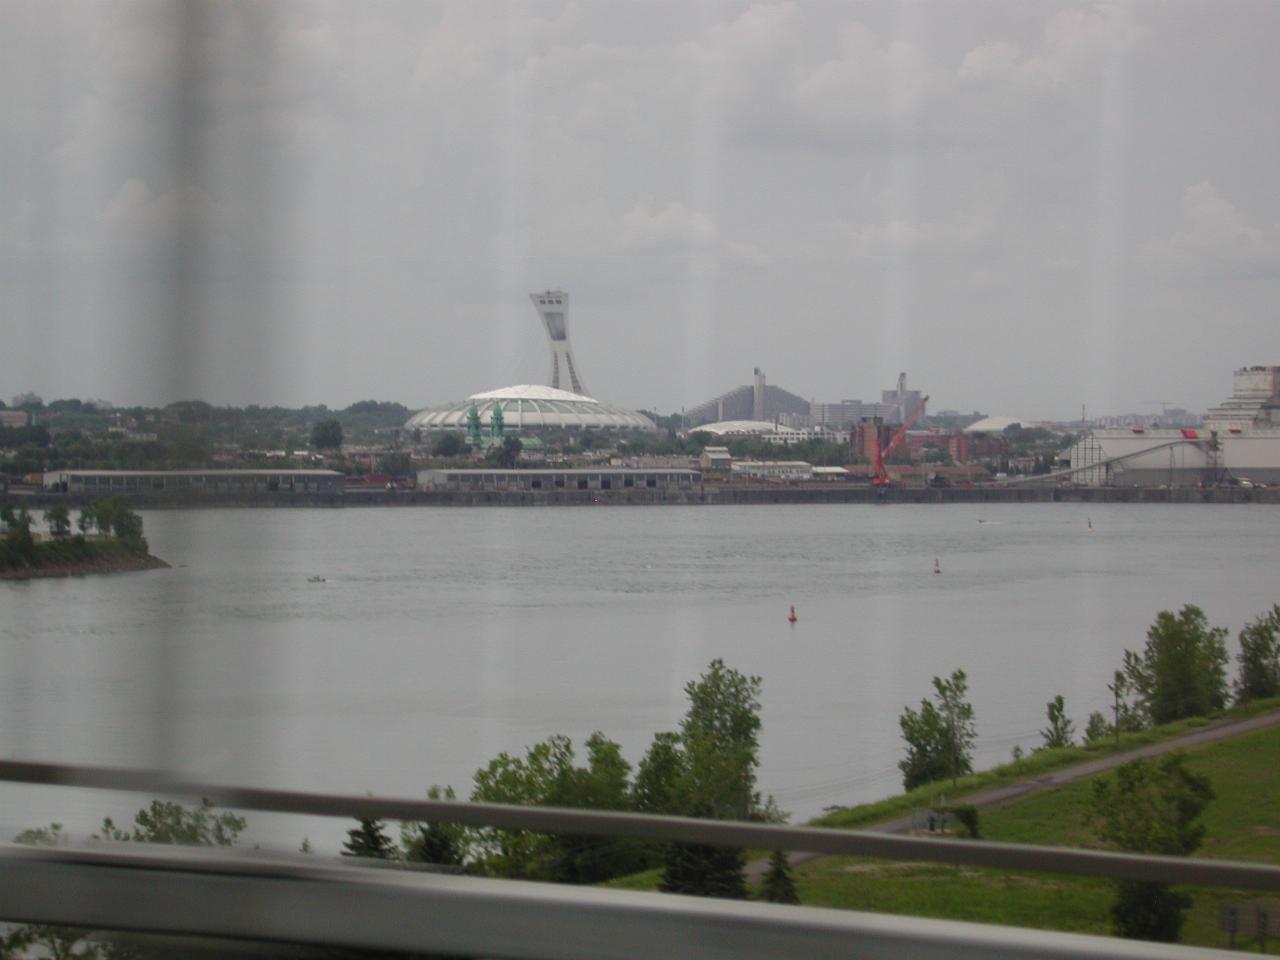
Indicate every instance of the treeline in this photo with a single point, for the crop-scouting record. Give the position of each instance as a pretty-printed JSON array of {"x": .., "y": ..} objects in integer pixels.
[
  {"x": 118, "y": 526},
  {"x": 706, "y": 769}
]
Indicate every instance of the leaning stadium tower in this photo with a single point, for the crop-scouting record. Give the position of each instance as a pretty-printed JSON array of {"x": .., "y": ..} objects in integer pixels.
[{"x": 553, "y": 307}]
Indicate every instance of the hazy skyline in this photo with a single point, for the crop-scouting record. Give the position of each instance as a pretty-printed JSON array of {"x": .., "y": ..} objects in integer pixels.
[{"x": 1025, "y": 206}]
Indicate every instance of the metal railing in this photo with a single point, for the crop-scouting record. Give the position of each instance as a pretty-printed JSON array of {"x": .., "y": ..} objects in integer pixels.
[{"x": 308, "y": 900}]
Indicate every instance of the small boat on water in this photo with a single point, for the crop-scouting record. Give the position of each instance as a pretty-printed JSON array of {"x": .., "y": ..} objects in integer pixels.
[
  {"x": 315, "y": 579},
  {"x": 791, "y": 617}
]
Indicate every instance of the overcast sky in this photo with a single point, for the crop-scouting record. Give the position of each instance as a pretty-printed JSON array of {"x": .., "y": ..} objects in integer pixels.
[{"x": 1027, "y": 206}]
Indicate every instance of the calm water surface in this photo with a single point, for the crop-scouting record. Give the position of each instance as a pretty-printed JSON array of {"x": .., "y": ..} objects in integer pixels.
[{"x": 444, "y": 636}]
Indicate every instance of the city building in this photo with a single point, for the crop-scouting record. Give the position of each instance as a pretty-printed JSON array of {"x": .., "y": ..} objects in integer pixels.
[
  {"x": 898, "y": 403},
  {"x": 715, "y": 459},
  {"x": 525, "y": 408},
  {"x": 760, "y": 400},
  {"x": 105, "y": 483},
  {"x": 769, "y": 431}
]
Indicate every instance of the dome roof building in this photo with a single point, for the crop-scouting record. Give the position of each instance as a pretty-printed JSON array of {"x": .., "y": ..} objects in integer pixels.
[{"x": 530, "y": 407}]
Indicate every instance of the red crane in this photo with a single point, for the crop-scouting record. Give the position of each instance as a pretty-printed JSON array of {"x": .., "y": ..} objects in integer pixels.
[{"x": 879, "y": 477}]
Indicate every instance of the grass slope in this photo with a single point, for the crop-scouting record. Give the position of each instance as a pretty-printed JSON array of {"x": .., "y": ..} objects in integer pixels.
[{"x": 1243, "y": 823}]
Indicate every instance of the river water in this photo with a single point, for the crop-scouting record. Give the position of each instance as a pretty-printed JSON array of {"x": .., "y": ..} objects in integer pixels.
[{"x": 441, "y": 637}]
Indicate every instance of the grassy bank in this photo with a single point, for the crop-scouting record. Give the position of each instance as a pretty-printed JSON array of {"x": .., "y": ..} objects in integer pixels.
[
  {"x": 1029, "y": 767},
  {"x": 1242, "y": 823}
]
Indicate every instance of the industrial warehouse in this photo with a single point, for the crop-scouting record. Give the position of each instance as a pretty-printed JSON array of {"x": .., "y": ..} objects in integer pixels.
[
  {"x": 188, "y": 483},
  {"x": 1239, "y": 443},
  {"x": 607, "y": 478}
]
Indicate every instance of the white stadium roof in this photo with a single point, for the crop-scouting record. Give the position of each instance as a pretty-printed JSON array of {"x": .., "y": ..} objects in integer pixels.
[{"x": 532, "y": 407}]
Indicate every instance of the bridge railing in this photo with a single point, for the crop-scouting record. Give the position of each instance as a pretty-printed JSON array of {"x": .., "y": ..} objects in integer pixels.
[{"x": 307, "y": 900}]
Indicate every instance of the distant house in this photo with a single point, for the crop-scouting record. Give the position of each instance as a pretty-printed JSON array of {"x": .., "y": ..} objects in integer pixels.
[
  {"x": 830, "y": 473},
  {"x": 13, "y": 418},
  {"x": 715, "y": 459}
]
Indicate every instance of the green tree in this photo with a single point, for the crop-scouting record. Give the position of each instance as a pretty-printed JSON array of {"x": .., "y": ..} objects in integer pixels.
[
  {"x": 369, "y": 839},
  {"x": 547, "y": 776},
  {"x": 1097, "y": 729},
  {"x": 701, "y": 870},
  {"x": 659, "y": 776},
  {"x": 1151, "y": 807},
  {"x": 327, "y": 435},
  {"x": 167, "y": 822},
  {"x": 435, "y": 842},
  {"x": 719, "y": 742},
  {"x": 526, "y": 781},
  {"x": 18, "y": 549},
  {"x": 449, "y": 445},
  {"x": 778, "y": 885},
  {"x": 104, "y": 513},
  {"x": 85, "y": 520},
  {"x": 128, "y": 530},
  {"x": 1061, "y": 731},
  {"x": 58, "y": 519},
  {"x": 939, "y": 739},
  {"x": 509, "y": 453},
  {"x": 1259, "y": 658},
  {"x": 1182, "y": 670}
]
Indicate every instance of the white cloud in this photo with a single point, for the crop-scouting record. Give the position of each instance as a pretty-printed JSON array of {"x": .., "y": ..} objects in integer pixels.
[
  {"x": 1073, "y": 39},
  {"x": 1212, "y": 223},
  {"x": 672, "y": 229},
  {"x": 997, "y": 58}
]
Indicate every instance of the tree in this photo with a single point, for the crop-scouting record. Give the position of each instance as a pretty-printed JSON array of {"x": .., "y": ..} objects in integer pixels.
[
  {"x": 448, "y": 445},
  {"x": 85, "y": 520},
  {"x": 18, "y": 549},
  {"x": 1061, "y": 731},
  {"x": 435, "y": 842},
  {"x": 167, "y": 822},
  {"x": 719, "y": 746},
  {"x": 778, "y": 885},
  {"x": 1151, "y": 807},
  {"x": 128, "y": 530},
  {"x": 1182, "y": 670},
  {"x": 659, "y": 776},
  {"x": 58, "y": 519},
  {"x": 1259, "y": 658},
  {"x": 327, "y": 435},
  {"x": 1097, "y": 729},
  {"x": 547, "y": 776},
  {"x": 939, "y": 739},
  {"x": 369, "y": 839},
  {"x": 509, "y": 452}
]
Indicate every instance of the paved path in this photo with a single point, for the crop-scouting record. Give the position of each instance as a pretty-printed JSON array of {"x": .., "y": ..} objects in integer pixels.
[{"x": 1210, "y": 733}]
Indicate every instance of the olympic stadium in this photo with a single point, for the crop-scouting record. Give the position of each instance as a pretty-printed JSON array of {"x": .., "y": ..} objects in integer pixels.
[{"x": 531, "y": 408}]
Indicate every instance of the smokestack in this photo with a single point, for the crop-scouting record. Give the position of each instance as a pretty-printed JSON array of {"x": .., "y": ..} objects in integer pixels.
[{"x": 757, "y": 400}]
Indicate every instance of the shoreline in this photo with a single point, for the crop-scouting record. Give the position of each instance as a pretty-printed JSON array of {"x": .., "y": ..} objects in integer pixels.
[
  {"x": 129, "y": 563},
  {"x": 707, "y": 494}
]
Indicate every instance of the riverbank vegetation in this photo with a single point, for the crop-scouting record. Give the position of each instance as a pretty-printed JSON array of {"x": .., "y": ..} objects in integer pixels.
[
  {"x": 1241, "y": 823},
  {"x": 109, "y": 539}
]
